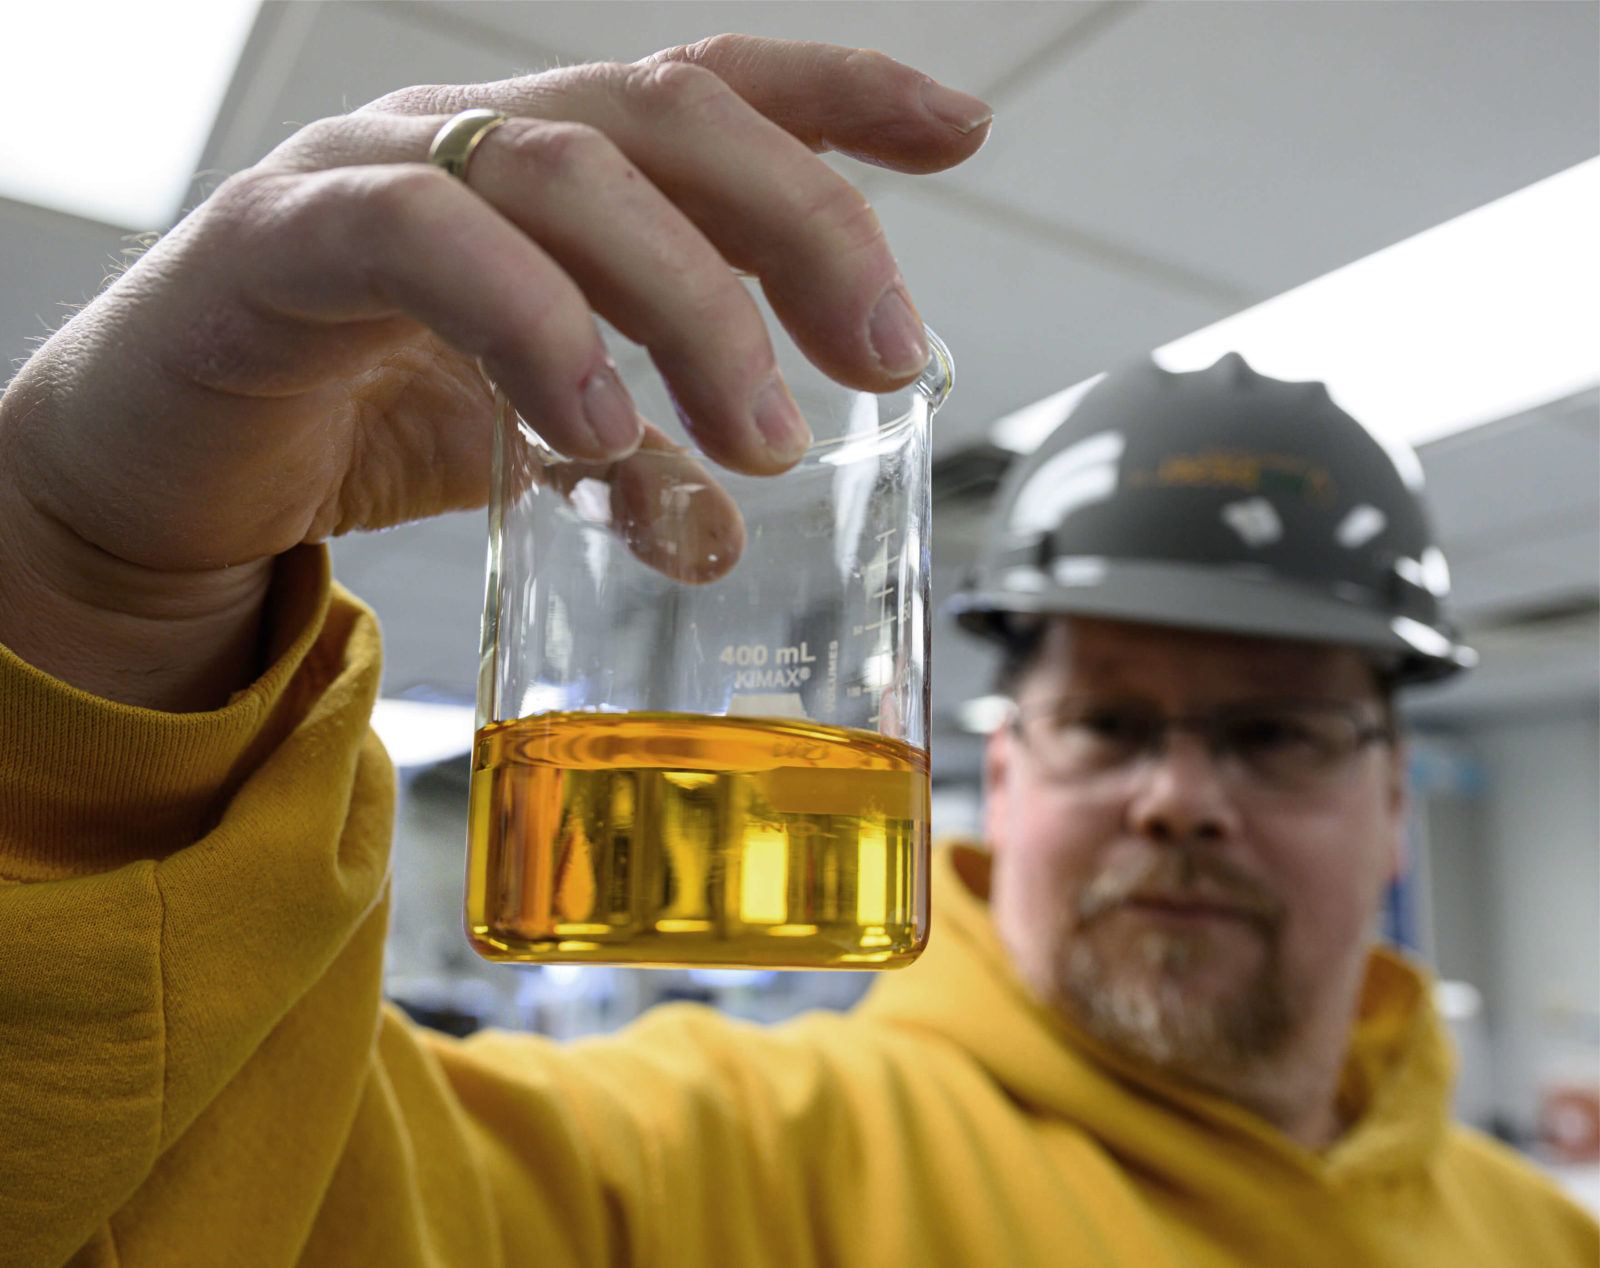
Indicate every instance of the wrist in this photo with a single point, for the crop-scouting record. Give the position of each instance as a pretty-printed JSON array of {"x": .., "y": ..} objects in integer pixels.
[{"x": 174, "y": 641}]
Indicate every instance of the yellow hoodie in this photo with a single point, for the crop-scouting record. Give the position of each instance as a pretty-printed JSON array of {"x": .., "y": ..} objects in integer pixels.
[{"x": 196, "y": 1068}]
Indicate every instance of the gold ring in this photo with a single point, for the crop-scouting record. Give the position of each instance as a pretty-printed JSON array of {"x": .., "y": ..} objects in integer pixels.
[{"x": 454, "y": 143}]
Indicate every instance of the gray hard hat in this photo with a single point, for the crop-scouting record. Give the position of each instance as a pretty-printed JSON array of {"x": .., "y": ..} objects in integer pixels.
[{"x": 1220, "y": 500}]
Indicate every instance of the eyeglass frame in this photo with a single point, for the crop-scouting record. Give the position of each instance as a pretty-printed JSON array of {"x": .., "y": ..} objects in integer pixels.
[{"x": 1208, "y": 726}]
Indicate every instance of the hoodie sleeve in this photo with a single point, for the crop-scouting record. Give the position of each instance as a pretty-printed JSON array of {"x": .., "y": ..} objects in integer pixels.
[
  {"x": 190, "y": 929},
  {"x": 194, "y": 1064}
]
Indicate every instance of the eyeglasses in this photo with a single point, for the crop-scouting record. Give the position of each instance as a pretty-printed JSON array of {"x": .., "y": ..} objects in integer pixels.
[{"x": 1287, "y": 745}]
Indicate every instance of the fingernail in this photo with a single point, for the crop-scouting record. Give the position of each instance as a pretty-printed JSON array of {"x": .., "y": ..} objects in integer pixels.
[
  {"x": 896, "y": 333},
  {"x": 609, "y": 411},
  {"x": 779, "y": 422},
  {"x": 961, "y": 112}
]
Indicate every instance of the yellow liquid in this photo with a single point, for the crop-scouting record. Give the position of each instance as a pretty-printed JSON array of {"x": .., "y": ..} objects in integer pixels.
[{"x": 680, "y": 839}]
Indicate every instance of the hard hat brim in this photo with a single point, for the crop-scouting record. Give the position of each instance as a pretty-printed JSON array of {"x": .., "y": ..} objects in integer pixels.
[{"x": 1229, "y": 600}]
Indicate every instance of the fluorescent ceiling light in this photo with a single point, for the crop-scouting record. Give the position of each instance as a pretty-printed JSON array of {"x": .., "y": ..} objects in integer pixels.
[
  {"x": 108, "y": 108},
  {"x": 1482, "y": 317},
  {"x": 983, "y": 714},
  {"x": 1457, "y": 1001},
  {"x": 418, "y": 733}
]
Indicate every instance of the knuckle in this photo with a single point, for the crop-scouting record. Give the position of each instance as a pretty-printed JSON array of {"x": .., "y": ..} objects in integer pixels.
[
  {"x": 899, "y": 84},
  {"x": 359, "y": 208},
  {"x": 675, "y": 88},
  {"x": 242, "y": 188},
  {"x": 419, "y": 99},
  {"x": 870, "y": 62},
  {"x": 710, "y": 53},
  {"x": 389, "y": 192},
  {"x": 246, "y": 198},
  {"x": 731, "y": 333},
  {"x": 259, "y": 213},
  {"x": 840, "y": 210},
  {"x": 310, "y": 144},
  {"x": 562, "y": 150},
  {"x": 719, "y": 303}
]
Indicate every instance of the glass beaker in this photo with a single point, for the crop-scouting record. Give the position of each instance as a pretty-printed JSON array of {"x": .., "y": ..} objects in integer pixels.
[{"x": 703, "y": 697}]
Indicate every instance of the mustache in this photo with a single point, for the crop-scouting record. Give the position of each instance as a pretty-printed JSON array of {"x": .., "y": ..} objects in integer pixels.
[{"x": 1180, "y": 877}]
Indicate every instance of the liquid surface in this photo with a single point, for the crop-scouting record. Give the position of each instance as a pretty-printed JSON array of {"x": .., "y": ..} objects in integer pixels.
[{"x": 677, "y": 839}]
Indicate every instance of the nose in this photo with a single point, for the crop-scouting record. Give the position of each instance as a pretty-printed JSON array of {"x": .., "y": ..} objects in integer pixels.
[{"x": 1181, "y": 796}]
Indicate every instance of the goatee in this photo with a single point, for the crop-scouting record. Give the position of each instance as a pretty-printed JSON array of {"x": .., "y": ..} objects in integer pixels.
[{"x": 1134, "y": 990}]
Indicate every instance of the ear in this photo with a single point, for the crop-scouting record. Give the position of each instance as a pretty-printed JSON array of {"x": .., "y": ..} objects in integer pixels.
[
  {"x": 1399, "y": 810},
  {"x": 997, "y": 758}
]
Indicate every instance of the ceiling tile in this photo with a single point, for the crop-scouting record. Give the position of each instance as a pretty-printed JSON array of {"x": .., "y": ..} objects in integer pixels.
[
  {"x": 62, "y": 267},
  {"x": 330, "y": 58},
  {"x": 1543, "y": 666},
  {"x": 1022, "y": 319},
  {"x": 1265, "y": 144},
  {"x": 1527, "y": 573},
  {"x": 1498, "y": 484},
  {"x": 968, "y": 45}
]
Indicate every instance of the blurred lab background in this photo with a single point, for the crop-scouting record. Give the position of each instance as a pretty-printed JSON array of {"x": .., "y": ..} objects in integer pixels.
[{"x": 1399, "y": 198}]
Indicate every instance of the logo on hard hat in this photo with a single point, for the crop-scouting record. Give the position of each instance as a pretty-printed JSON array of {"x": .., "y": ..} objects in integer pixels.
[{"x": 1288, "y": 475}]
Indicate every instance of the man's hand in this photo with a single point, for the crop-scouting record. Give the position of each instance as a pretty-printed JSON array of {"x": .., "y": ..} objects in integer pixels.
[{"x": 298, "y": 358}]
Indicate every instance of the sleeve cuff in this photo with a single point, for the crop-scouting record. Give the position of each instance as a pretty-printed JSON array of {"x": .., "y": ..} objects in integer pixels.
[{"x": 87, "y": 784}]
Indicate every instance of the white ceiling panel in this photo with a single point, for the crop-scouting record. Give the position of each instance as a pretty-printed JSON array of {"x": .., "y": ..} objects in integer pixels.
[
  {"x": 1527, "y": 572},
  {"x": 50, "y": 265},
  {"x": 968, "y": 45},
  {"x": 1552, "y": 665},
  {"x": 311, "y": 60},
  {"x": 1265, "y": 144},
  {"x": 1520, "y": 478},
  {"x": 1022, "y": 319}
]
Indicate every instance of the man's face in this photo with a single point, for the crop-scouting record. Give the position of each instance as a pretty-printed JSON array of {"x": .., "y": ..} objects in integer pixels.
[{"x": 1179, "y": 906}]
